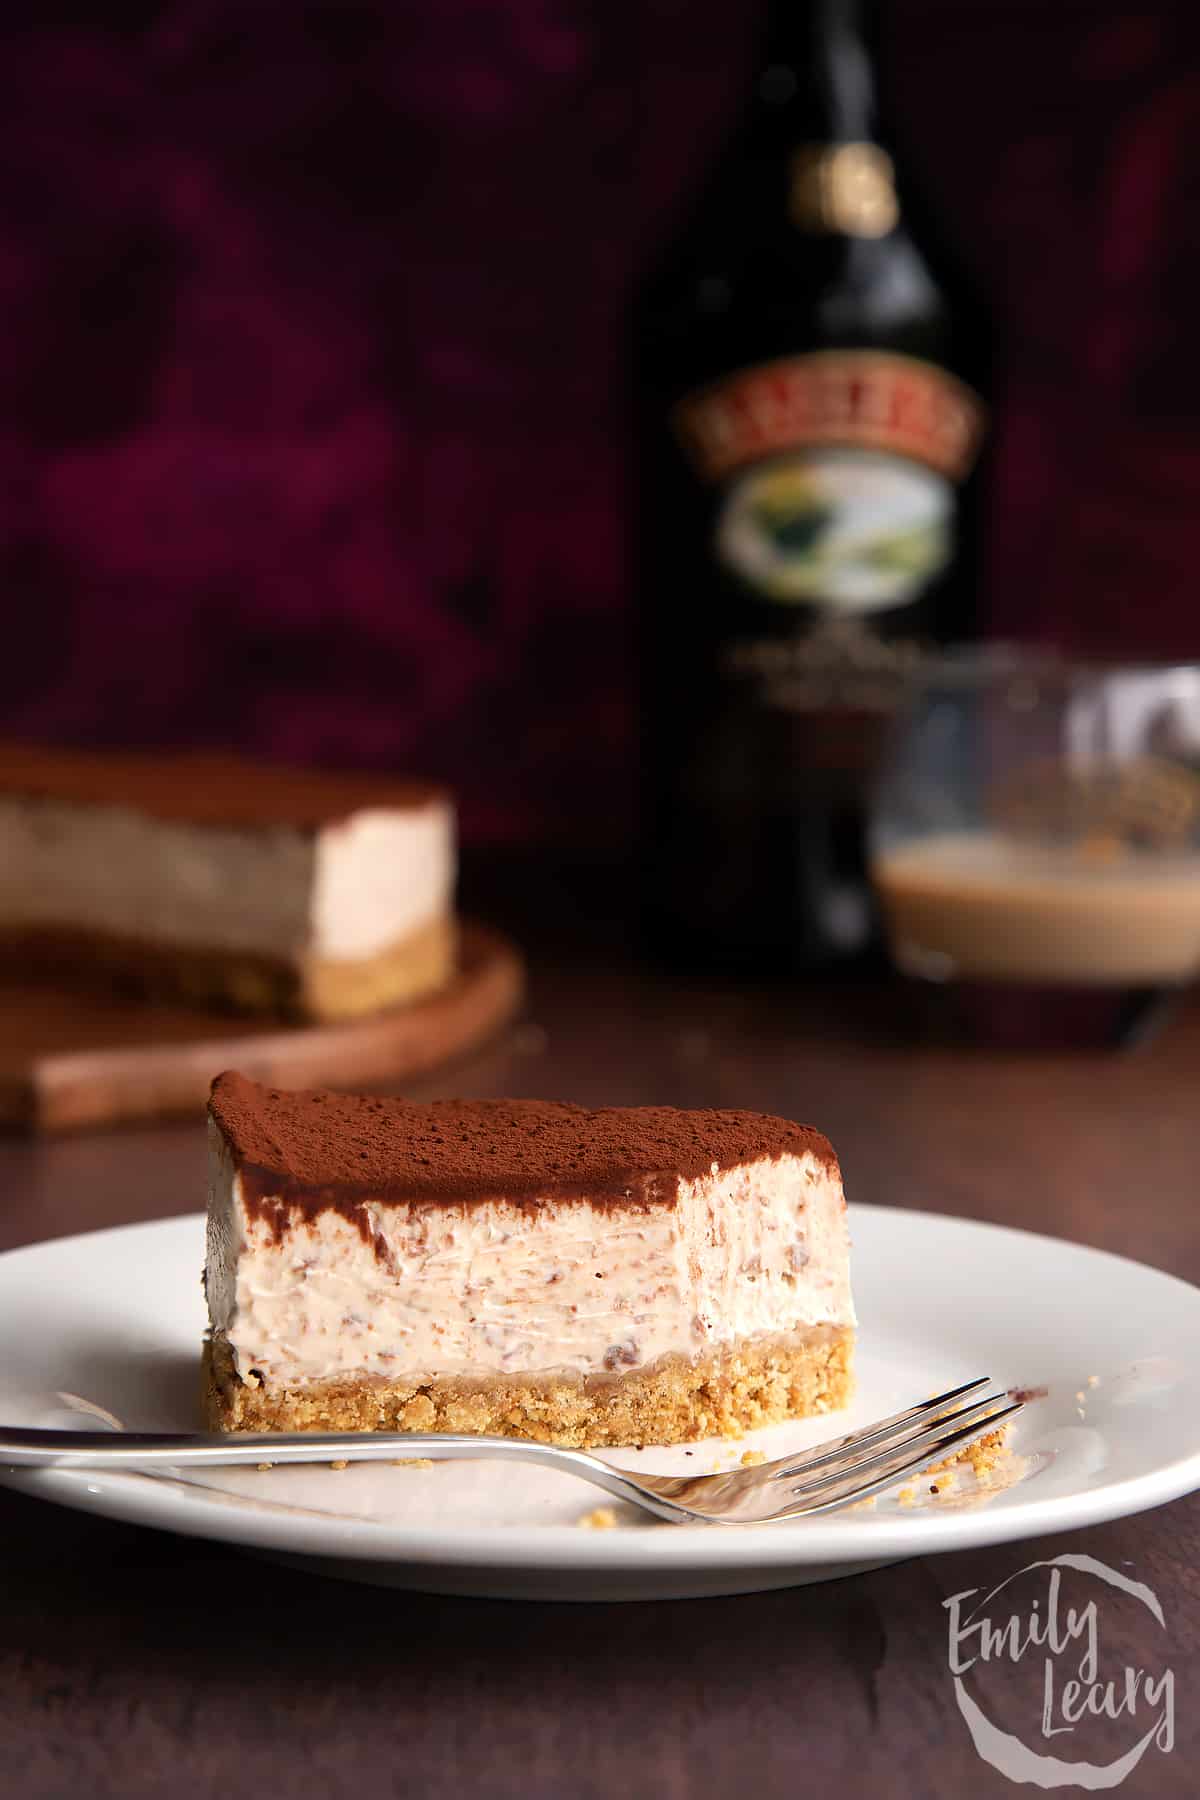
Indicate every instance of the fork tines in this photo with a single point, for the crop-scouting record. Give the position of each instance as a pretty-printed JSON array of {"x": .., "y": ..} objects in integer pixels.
[{"x": 862, "y": 1463}]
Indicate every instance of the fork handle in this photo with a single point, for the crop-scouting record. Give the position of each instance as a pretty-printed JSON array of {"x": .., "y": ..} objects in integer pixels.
[{"x": 29, "y": 1447}]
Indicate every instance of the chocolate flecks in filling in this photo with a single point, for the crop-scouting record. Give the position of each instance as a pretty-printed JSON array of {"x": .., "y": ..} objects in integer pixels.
[{"x": 317, "y": 1151}]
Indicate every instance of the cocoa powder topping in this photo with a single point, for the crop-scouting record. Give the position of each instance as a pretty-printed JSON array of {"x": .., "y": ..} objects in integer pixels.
[
  {"x": 322, "y": 1149},
  {"x": 202, "y": 789}
]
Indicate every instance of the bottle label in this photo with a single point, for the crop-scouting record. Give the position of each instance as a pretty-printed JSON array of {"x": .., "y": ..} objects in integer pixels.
[
  {"x": 847, "y": 529},
  {"x": 858, "y": 399},
  {"x": 838, "y": 470}
]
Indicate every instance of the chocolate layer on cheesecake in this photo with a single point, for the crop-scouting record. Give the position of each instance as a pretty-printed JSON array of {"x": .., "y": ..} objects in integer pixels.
[
  {"x": 225, "y": 882},
  {"x": 315, "y": 1148},
  {"x": 613, "y": 1276},
  {"x": 202, "y": 787}
]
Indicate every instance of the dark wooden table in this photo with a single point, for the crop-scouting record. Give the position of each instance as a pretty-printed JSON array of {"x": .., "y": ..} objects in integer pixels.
[{"x": 136, "y": 1664}]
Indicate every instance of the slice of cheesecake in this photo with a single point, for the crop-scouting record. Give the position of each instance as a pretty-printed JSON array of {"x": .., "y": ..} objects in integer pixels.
[
  {"x": 225, "y": 882},
  {"x": 627, "y": 1276}
]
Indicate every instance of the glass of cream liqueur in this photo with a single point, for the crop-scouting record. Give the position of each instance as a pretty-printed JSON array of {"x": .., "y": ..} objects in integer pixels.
[{"x": 1035, "y": 847}]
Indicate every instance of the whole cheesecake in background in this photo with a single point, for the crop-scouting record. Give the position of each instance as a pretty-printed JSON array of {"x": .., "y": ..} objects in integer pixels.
[
  {"x": 225, "y": 882},
  {"x": 521, "y": 1268}
]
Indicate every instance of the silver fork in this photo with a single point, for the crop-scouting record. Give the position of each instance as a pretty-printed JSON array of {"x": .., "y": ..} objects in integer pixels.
[{"x": 831, "y": 1475}]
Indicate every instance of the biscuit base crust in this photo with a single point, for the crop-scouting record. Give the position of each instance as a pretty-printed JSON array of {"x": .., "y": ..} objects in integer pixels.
[
  {"x": 306, "y": 987},
  {"x": 721, "y": 1393}
]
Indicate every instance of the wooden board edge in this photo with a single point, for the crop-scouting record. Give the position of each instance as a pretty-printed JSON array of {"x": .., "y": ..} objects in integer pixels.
[{"x": 81, "y": 1089}]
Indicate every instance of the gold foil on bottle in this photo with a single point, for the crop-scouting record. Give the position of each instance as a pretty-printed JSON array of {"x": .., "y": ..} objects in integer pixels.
[{"x": 846, "y": 188}]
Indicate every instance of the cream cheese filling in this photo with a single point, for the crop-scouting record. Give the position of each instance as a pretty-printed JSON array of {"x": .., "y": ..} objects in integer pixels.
[
  {"x": 346, "y": 892},
  {"x": 491, "y": 1288}
]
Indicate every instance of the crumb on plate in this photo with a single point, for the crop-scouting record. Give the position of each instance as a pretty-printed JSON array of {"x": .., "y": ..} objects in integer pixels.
[{"x": 601, "y": 1518}]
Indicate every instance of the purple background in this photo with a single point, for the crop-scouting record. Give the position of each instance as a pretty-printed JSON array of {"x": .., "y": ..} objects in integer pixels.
[{"x": 312, "y": 435}]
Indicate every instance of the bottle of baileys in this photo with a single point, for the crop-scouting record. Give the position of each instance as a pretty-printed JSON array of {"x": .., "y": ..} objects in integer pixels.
[{"x": 807, "y": 422}]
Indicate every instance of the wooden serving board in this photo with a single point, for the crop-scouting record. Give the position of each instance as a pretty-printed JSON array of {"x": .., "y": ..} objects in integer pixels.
[{"x": 70, "y": 1059}]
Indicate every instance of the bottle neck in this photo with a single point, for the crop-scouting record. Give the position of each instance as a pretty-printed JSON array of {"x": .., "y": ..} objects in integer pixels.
[
  {"x": 815, "y": 104},
  {"x": 815, "y": 71}
]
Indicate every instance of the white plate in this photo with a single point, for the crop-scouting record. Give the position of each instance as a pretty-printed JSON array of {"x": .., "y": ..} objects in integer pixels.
[{"x": 116, "y": 1318}]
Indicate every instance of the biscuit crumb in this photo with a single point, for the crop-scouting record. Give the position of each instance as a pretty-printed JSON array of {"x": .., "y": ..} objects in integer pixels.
[
  {"x": 1100, "y": 847},
  {"x": 340, "y": 1464},
  {"x": 601, "y": 1518},
  {"x": 264, "y": 1466},
  {"x": 413, "y": 1462},
  {"x": 980, "y": 1456},
  {"x": 751, "y": 1458}
]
